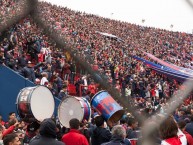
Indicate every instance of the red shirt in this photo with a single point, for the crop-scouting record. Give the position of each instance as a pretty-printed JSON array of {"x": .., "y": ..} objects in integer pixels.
[
  {"x": 189, "y": 138},
  {"x": 95, "y": 67},
  {"x": 40, "y": 57},
  {"x": 173, "y": 141},
  {"x": 74, "y": 137},
  {"x": 92, "y": 88},
  {"x": 9, "y": 130},
  {"x": 153, "y": 93},
  {"x": 2, "y": 123}
]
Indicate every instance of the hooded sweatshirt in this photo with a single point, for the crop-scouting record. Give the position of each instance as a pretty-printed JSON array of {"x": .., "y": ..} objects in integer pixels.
[
  {"x": 47, "y": 134},
  {"x": 100, "y": 135}
]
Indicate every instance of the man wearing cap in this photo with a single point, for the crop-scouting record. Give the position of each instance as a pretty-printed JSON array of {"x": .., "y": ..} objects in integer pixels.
[{"x": 28, "y": 72}]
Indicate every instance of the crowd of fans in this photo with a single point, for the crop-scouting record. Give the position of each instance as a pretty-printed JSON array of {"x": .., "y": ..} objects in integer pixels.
[
  {"x": 32, "y": 54},
  {"x": 9, "y": 9},
  {"x": 96, "y": 132},
  {"x": 113, "y": 57}
]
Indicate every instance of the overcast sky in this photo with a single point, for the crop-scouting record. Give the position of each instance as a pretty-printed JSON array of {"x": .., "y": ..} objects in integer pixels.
[{"x": 157, "y": 13}]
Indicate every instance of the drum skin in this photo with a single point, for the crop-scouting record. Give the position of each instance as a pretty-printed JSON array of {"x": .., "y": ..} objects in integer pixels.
[
  {"x": 73, "y": 107},
  {"x": 105, "y": 105}
]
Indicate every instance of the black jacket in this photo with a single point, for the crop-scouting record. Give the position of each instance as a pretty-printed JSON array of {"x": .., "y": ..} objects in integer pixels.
[
  {"x": 28, "y": 72},
  {"x": 189, "y": 128},
  {"x": 47, "y": 134},
  {"x": 22, "y": 61},
  {"x": 100, "y": 135}
]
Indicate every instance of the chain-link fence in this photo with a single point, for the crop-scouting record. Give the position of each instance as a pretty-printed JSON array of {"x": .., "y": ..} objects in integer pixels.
[{"x": 31, "y": 7}]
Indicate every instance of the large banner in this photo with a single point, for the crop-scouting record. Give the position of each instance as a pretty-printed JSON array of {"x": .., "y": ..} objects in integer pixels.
[
  {"x": 169, "y": 72},
  {"x": 172, "y": 66}
]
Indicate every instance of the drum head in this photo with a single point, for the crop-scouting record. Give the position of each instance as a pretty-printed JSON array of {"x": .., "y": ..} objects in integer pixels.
[
  {"x": 42, "y": 103},
  {"x": 68, "y": 109}
]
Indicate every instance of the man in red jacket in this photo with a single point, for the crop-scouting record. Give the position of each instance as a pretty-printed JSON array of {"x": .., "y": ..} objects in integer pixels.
[{"x": 74, "y": 137}]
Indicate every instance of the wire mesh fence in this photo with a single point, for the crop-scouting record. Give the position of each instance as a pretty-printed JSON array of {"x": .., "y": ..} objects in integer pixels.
[{"x": 32, "y": 8}]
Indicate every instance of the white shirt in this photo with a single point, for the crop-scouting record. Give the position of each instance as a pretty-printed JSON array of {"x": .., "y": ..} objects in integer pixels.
[
  {"x": 43, "y": 81},
  {"x": 181, "y": 136}
]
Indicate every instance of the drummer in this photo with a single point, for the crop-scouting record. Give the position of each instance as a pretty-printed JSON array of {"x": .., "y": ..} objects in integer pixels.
[
  {"x": 47, "y": 134},
  {"x": 32, "y": 130}
]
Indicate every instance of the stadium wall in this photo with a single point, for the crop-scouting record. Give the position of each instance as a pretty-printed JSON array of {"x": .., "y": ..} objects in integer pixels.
[{"x": 10, "y": 85}]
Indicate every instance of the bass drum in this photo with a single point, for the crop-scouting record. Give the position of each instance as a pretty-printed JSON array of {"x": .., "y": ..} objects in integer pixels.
[
  {"x": 35, "y": 103},
  {"x": 106, "y": 106},
  {"x": 73, "y": 107}
]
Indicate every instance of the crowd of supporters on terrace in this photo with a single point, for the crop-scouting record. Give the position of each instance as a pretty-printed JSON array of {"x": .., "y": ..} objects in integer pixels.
[
  {"x": 113, "y": 57},
  {"x": 32, "y": 54}
]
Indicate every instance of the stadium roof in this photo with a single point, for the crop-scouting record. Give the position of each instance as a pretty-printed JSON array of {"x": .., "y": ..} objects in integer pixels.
[{"x": 173, "y": 15}]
